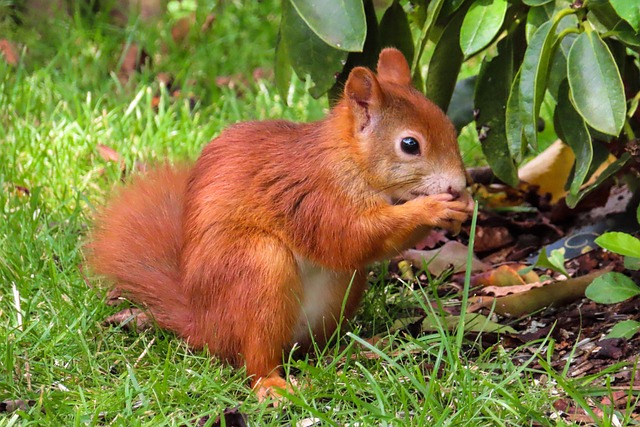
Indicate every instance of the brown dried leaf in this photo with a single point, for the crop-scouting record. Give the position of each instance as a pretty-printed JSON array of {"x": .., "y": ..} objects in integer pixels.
[
  {"x": 8, "y": 51},
  {"x": 504, "y": 275},
  {"x": 491, "y": 238},
  {"x": 556, "y": 293},
  {"x": 131, "y": 319},
  {"x": 451, "y": 255},
  {"x": 500, "y": 291},
  {"x": 208, "y": 22},
  {"x": 109, "y": 154},
  {"x": 16, "y": 405},
  {"x": 432, "y": 239},
  {"x": 134, "y": 59},
  {"x": 181, "y": 28}
]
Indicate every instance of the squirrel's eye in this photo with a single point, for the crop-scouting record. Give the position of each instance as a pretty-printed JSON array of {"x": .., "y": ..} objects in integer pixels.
[{"x": 410, "y": 145}]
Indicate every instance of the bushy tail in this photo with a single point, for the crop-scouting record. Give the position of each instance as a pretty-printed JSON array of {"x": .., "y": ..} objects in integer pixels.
[{"x": 136, "y": 242}]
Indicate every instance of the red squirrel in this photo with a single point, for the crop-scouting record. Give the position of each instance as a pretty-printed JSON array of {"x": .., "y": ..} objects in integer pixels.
[{"x": 262, "y": 244}]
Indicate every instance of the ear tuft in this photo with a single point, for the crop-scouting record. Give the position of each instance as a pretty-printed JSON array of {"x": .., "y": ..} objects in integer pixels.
[{"x": 393, "y": 67}]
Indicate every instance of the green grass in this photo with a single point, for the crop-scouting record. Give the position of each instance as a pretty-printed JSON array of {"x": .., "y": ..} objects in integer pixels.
[{"x": 55, "y": 108}]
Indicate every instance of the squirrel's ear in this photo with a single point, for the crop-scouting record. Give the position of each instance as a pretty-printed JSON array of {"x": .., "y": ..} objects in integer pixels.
[
  {"x": 393, "y": 67},
  {"x": 364, "y": 92}
]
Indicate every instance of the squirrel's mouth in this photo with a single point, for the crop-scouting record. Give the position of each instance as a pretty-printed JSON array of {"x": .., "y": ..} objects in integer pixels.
[{"x": 412, "y": 195}]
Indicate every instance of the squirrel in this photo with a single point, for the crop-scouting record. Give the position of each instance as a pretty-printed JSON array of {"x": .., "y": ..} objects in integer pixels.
[{"x": 262, "y": 244}]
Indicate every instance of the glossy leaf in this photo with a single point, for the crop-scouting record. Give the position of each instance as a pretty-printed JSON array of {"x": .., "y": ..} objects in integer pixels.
[
  {"x": 341, "y": 25},
  {"x": 367, "y": 58},
  {"x": 309, "y": 55},
  {"x": 604, "y": 18},
  {"x": 395, "y": 30},
  {"x": 536, "y": 2},
  {"x": 513, "y": 122},
  {"x": 572, "y": 200},
  {"x": 620, "y": 243},
  {"x": 433, "y": 11},
  {"x": 629, "y": 10},
  {"x": 612, "y": 288},
  {"x": 572, "y": 129},
  {"x": 625, "y": 329},
  {"x": 555, "y": 260},
  {"x": 445, "y": 64},
  {"x": 282, "y": 68},
  {"x": 631, "y": 263},
  {"x": 533, "y": 79},
  {"x": 538, "y": 16},
  {"x": 460, "y": 110},
  {"x": 596, "y": 86},
  {"x": 481, "y": 24},
  {"x": 491, "y": 96}
]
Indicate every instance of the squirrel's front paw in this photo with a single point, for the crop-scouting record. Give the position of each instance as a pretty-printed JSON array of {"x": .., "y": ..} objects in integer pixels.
[{"x": 442, "y": 211}]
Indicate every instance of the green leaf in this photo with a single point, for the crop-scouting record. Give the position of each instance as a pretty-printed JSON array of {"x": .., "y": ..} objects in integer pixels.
[
  {"x": 445, "y": 63},
  {"x": 631, "y": 263},
  {"x": 433, "y": 11},
  {"x": 340, "y": 24},
  {"x": 620, "y": 243},
  {"x": 395, "y": 30},
  {"x": 638, "y": 214},
  {"x": 513, "y": 122},
  {"x": 596, "y": 86},
  {"x": 491, "y": 96},
  {"x": 536, "y": 2},
  {"x": 572, "y": 200},
  {"x": 533, "y": 79},
  {"x": 572, "y": 129},
  {"x": 629, "y": 10},
  {"x": 282, "y": 68},
  {"x": 367, "y": 58},
  {"x": 309, "y": 55},
  {"x": 611, "y": 288},
  {"x": 554, "y": 261},
  {"x": 538, "y": 16},
  {"x": 625, "y": 329},
  {"x": 481, "y": 24},
  {"x": 460, "y": 110},
  {"x": 604, "y": 18}
]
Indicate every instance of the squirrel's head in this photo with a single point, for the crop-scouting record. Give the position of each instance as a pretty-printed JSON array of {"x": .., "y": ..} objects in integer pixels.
[{"x": 405, "y": 145}]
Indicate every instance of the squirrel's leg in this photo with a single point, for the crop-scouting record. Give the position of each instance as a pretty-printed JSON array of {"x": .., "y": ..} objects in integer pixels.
[{"x": 271, "y": 313}]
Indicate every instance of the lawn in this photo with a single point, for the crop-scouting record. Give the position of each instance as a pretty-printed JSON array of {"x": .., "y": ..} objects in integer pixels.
[{"x": 64, "y": 116}]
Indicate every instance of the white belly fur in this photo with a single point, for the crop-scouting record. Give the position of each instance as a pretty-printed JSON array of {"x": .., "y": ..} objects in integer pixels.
[{"x": 317, "y": 282}]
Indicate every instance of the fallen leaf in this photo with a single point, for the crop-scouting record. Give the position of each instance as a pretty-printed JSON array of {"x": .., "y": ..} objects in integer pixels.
[
  {"x": 208, "y": 22},
  {"x": 491, "y": 238},
  {"x": 133, "y": 60},
  {"x": 431, "y": 240},
  {"x": 504, "y": 275},
  {"x": 451, "y": 255},
  {"x": 16, "y": 405},
  {"x": 556, "y": 293},
  {"x": 499, "y": 291},
  {"x": 549, "y": 170},
  {"x": 180, "y": 30},
  {"x": 108, "y": 153},
  {"x": 8, "y": 51},
  {"x": 131, "y": 319}
]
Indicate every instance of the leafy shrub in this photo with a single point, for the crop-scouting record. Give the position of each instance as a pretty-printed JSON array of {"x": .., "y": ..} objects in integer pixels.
[{"x": 583, "y": 54}]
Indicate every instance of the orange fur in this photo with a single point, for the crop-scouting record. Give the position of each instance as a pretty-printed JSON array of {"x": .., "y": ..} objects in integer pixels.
[{"x": 233, "y": 253}]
